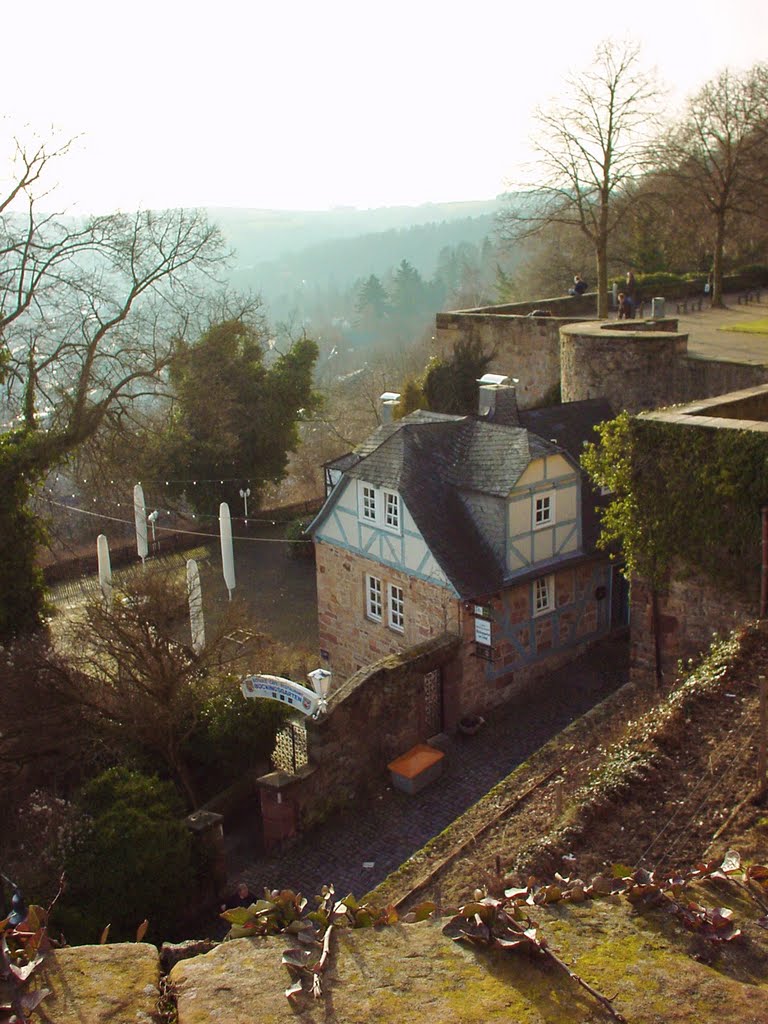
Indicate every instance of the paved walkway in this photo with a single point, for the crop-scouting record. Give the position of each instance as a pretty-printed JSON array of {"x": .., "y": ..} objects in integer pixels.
[
  {"x": 395, "y": 826},
  {"x": 709, "y": 336}
]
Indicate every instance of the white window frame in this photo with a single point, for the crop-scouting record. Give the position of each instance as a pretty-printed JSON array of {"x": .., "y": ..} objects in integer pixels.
[
  {"x": 536, "y": 508},
  {"x": 374, "y": 605},
  {"x": 396, "y": 607},
  {"x": 391, "y": 511},
  {"x": 369, "y": 503},
  {"x": 543, "y": 595}
]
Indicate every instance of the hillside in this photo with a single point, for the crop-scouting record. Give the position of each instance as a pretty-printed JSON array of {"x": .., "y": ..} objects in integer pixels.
[
  {"x": 300, "y": 262},
  {"x": 645, "y": 779}
]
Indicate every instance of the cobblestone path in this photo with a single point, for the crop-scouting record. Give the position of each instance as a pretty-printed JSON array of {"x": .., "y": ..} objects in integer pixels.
[{"x": 395, "y": 826}]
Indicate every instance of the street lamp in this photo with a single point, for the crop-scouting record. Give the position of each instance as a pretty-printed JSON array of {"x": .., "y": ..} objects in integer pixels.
[
  {"x": 152, "y": 519},
  {"x": 245, "y": 495}
]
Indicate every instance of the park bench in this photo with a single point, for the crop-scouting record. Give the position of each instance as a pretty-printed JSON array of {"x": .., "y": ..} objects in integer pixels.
[{"x": 750, "y": 295}]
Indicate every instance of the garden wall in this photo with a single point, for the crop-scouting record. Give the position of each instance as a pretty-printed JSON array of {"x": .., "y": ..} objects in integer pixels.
[{"x": 373, "y": 717}]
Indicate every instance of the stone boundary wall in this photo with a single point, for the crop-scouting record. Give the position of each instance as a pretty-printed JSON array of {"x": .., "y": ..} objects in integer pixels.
[
  {"x": 559, "y": 305},
  {"x": 691, "y": 611},
  {"x": 635, "y": 368},
  {"x": 705, "y": 378},
  {"x": 526, "y": 347},
  {"x": 643, "y": 365},
  {"x": 374, "y": 716}
]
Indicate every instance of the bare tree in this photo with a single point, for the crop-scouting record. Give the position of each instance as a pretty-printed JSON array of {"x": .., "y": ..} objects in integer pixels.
[
  {"x": 590, "y": 151},
  {"x": 90, "y": 313},
  {"x": 716, "y": 161},
  {"x": 119, "y": 678}
]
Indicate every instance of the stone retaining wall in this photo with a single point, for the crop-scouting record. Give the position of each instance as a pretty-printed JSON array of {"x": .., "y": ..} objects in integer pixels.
[
  {"x": 374, "y": 716},
  {"x": 411, "y": 972},
  {"x": 691, "y": 611},
  {"x": 526, "y": 347}
]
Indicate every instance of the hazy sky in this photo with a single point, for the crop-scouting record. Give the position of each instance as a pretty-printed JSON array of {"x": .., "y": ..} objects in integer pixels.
[{"x": 318, "y": 103}]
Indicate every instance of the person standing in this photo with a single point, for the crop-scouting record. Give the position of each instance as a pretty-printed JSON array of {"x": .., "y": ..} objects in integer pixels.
[
  {"x": 626, "y": 308},
  {"x": 630, "y": 288}
]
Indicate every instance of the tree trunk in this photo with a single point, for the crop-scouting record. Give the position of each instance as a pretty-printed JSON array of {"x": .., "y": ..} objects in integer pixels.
[
  {"x": 717, "y": 262},
  {"x": 21, "y": 582},
  {"x": 601, "y": 254}
]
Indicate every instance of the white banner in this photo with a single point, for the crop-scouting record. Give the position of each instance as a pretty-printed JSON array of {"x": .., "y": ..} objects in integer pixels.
[{"x": 283, "y": 690}]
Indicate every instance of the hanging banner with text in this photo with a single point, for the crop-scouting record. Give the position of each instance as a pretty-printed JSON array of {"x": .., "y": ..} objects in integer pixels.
[{"x": 283, "y": 690}]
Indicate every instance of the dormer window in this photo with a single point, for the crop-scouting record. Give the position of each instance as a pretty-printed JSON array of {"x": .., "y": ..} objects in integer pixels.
[
  {"x": 543, "y": 510},
  {"x": 391, "y": 510},
  {"x": 379, "y": 507},
  {"x": 369, "y": 503}
]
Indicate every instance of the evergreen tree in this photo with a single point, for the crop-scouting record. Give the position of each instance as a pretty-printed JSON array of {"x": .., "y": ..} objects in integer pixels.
[{"x": 235, "y": 419}]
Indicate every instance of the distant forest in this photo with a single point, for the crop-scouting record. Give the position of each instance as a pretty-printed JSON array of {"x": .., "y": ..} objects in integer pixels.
[{"x": 370, "y": 279}]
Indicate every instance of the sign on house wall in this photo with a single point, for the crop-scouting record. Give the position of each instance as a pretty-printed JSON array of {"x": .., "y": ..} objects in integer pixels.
[
  {"x": 483, "y": 632},
  {"x": 283, "y": 690}
]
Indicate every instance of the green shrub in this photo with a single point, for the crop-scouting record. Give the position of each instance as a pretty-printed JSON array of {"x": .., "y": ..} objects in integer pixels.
[
  {"x": 757, "y": 271},
  {"x": 649, "y": 282},
  {"x": 131, "y": 860},
  {"x": 233, "y": 736}
]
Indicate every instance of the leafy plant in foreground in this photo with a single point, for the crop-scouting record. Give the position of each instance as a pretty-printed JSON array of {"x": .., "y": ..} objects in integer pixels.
[
  {"x": 285, "y": 912},
  {"x": 507, "y": 924},
  {"x": 23, "y": 942}
]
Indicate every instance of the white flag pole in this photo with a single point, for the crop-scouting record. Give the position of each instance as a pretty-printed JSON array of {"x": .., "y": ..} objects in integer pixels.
[
  {"x": 140, "y": 516},
  {"x": 196, "y": 621},
  {"x": 227, "y": 554},
  {"x": 105, "y": 568}
]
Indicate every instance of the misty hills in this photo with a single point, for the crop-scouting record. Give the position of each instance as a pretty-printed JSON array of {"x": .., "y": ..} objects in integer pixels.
[{"x": 288, "y": 256}]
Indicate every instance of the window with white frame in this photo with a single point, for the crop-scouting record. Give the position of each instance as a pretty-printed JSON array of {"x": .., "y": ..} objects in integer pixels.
[
  {"x": 368, "y": 504},
  {"x": 543, "y": 509},
  {"x": 543, "y": 595},
  {"x": 396, "y": 608},
  {"x": 373, "y": 604},
  {"x": 391, "y": 510}
]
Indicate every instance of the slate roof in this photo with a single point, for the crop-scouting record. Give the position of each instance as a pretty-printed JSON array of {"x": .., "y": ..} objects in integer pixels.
[{"x": 430, "y": 459}]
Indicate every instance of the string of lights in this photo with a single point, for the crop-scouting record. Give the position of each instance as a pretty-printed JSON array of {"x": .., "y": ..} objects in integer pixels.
[{"x": 175, "y": 529}]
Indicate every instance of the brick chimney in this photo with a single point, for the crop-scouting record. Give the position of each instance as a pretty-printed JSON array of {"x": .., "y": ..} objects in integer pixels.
[
  {"x": 389, "y": 401},
  {"x": 497, "y": 399}
]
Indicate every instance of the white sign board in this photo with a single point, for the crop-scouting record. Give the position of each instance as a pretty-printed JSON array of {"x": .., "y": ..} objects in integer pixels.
[
  {"x": 283, "y": 690},
  {"x": 483, "y": 632}
]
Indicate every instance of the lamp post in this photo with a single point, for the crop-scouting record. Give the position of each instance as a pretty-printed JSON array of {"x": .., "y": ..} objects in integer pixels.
[
  {"x": 152, "y": 519},
  {"x": 245, "y": 495}
]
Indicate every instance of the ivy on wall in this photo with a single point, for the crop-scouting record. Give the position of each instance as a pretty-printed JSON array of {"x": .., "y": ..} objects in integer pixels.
[{"x": 682, "y": 493}]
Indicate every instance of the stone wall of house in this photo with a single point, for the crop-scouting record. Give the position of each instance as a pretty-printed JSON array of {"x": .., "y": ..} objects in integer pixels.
[
  {"x": 353, "y": 641},
  {"x": 691, "y": 612},
  {"x": 373, "y": 717},
  {"x": 526, "y": 648}
]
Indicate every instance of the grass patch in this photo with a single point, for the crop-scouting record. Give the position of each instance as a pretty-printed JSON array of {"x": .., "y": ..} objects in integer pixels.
[{"x": 749, "y": 326}]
